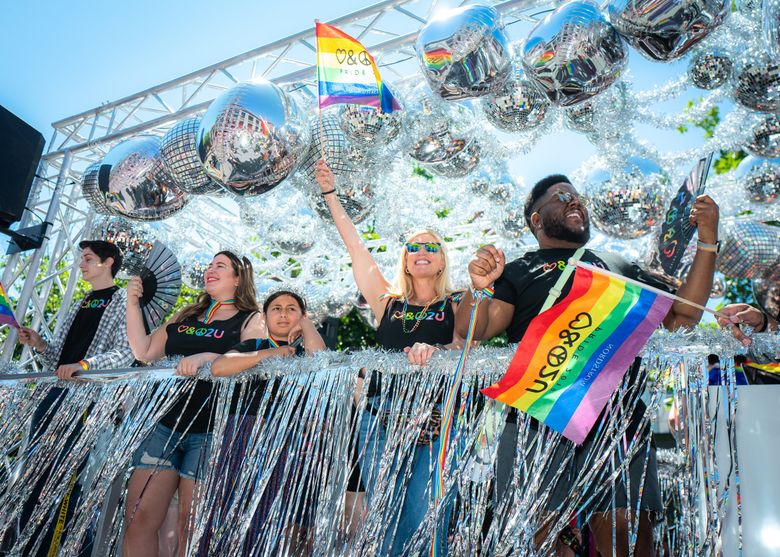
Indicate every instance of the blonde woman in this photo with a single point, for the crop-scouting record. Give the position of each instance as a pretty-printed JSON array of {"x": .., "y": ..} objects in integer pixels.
[{"x": 416, "y": 315}]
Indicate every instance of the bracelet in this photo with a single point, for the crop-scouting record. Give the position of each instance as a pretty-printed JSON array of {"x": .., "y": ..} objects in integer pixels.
[
  {"x": 84, "y": 364},
  {"x": 329, "y": 191},
  {"x": 712, "y": 248},
  {"x": 764, "y": 323},
  {"x": 488, "y": 292}
]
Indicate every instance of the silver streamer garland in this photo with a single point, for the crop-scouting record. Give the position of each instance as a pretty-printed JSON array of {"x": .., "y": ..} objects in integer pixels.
[{"x": 286, "y": 494}]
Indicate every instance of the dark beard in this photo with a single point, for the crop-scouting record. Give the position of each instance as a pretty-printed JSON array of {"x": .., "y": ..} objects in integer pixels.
[{"x": 556, "y": 228}]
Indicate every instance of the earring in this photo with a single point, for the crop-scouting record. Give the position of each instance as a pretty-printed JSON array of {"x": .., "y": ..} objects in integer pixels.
[
  {"x": 439, "y": 272},
  {"x": 407, "y": 271}
]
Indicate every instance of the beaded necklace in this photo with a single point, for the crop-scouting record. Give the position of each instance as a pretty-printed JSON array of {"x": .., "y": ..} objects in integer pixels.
[{"x": 417, "y": 319}]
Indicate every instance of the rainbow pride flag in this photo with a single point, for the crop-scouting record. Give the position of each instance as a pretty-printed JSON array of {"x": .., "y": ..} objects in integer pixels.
[
  {"x": 6, "y": 311},
  {"x": 770, "y": 367},
  {"x": 347, "y": 73},
  {"x": 574, "y": 355}
]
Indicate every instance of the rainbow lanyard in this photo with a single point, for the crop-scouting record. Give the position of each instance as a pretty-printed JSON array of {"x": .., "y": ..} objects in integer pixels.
[
  {"x": 214, "y": 306},
  {"x": 272, "y": 342}
]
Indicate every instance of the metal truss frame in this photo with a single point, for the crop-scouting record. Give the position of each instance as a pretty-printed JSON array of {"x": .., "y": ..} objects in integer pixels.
[{"x": 388, "y": 29}]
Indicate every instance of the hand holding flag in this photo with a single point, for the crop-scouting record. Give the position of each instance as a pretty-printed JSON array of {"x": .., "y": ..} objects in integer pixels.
[{"x": 6, "y": 311}]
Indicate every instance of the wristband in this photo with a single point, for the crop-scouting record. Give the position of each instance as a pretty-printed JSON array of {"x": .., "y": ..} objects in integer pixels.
[
  {"x": 764, "y": 323},
  {"x": 84, "y": 364},
  {"x": 713, "y": 248},
  {"x": 484, "y": 293},
  {"x": 329, "y": 191}
]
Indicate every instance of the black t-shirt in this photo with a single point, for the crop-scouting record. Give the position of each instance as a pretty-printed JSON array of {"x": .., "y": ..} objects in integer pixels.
[
  {"x": 85, "y": 324},
  {"x": 193, "y": 336},
  {"x": 255, "y": 388},
  {"x": 527, "y": 281}
]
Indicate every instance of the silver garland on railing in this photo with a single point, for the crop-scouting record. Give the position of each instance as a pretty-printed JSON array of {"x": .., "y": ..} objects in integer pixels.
[{"x": 287, "y": 494}]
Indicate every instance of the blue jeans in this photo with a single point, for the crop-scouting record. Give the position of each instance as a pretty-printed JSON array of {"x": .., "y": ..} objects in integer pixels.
[
  {"x": 164, "y": 449},
  {"x": 418, "y": 491}
]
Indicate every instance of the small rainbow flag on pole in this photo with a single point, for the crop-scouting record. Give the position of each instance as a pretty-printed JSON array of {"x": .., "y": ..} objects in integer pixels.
[
  {"x": 6, "y": 311},
  {"x": 769, "y": 367},
  {"x": 347, "y": 73},
  {"x": 574, "y": 355}
]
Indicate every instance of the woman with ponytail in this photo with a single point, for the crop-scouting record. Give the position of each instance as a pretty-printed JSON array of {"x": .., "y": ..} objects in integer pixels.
[{"x": 173, "y": 457}]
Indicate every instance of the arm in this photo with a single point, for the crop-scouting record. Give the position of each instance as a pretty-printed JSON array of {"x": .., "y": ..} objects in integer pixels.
[
  {"x": 312, "y": 340},
  {"x": 734, "y": 315},
  {"x": 370, "y": 281},
  {"x": 234, "y": 362},
  {"x": 698, "y": 282},
  {"x": 494, "y": 315},
  {"x": 146, "y": 348}
]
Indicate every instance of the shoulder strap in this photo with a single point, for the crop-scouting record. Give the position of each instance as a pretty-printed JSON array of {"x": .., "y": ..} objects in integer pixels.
[{"x": 556, "y": 290}]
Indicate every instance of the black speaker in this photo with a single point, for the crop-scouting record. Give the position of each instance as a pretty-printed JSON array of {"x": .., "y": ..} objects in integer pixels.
[{"x": 21, "y": 147}]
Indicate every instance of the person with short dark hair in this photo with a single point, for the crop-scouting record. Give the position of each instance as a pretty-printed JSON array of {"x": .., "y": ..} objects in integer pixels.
[
  {"x": 92, "y": 337},
  {"x": 558, "y": 218}
]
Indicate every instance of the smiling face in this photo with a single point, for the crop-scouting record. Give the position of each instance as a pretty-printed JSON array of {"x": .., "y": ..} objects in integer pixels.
[
  {"x": 562, "y": 215},
  {"x": 92, "y": 268},
  {"x": 423, "y": 263},
  {"x": 220, "y": 278},
  {"x": 282, "y": 315}
]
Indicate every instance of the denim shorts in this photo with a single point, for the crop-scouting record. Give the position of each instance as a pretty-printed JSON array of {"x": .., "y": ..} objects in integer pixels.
[{"x": 164, "y": 449}]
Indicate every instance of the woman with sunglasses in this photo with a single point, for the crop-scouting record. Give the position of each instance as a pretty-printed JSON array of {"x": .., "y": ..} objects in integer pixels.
[
  {"x": 173, "y": 457},
  {"x": 416, "y": 315}
]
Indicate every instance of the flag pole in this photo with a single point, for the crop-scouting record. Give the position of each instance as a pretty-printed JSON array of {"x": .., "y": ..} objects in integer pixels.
[
  {"x": 319, "y": 108},
  {"x": 647, "y": 287}
]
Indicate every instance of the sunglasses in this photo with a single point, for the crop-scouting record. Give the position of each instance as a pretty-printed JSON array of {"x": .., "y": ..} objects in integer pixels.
[
  {"x": 430, "y": 247},
  {"x": 567, "y": 197}
]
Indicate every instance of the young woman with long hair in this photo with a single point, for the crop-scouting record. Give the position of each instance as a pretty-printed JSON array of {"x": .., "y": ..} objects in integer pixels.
[
  {"x": 173, "y": 457},
  {"x": 416, "y": 315}
]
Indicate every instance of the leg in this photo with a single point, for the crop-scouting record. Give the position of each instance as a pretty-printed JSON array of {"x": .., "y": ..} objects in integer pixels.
[
  {"x": 187, "y": 489},
  {"x": 149, "y": 493},
  {"x": 601, "y": 526}
]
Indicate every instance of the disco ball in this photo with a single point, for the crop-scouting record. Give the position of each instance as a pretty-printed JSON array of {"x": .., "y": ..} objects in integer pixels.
[
  {"x": 297, "y": 239},
  {"x": 512, "y": 223},
  {"x": 135, "y": 241},
  {"x": 580, "y": 118},
  {"x": 749, "y": 249},
  {"x": 719, "y": 286},
  {"x": 574, "y": 53},
  {"x": 193, "y": 265},
  {"x": 666, "y": 30},
  {"x": 758, "y": 86},
  {"x": 710, "y": 70},
  {"x": 90, "y": 189},
  {"x": 766, "y": 292},
  {"x": 436, "y": 132},
  {"x": 252, "y": 137},
  {"x": 481, "y": 183},
  {"x": 766, "y": 138},
  {"x": 464, "y": 52},
  {"x": 760, "y": 178},
  {"x": 136, "y": 183},
  {"x": 179, "y": 151},
  {"x": 459, "y": 165},
  {"x": 368, "y": 126},
  {"x": 627, "y": 202},
  {"x": 517, "y": 106},
  {"x": 353, "y": 184}
]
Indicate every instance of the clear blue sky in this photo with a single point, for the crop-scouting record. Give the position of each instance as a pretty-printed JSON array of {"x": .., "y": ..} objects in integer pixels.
[{"x": 60, "y": 58}]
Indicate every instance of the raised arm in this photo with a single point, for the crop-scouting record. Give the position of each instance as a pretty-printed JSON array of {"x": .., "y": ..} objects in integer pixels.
[
  {"x": 698, "y": 283},
  {"x": 494, "y": 315},
  {"x": 312, "y": 340},
  {"x": 146, "y": 348},
  {"x": 369, "y": 279}
]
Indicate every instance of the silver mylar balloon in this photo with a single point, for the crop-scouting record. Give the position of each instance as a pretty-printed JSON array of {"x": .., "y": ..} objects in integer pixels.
[
  {"x": 90, "y": 189},
  {"x": 710, "y": 70},
  {"x": 517, "y": 106},
  {"x": 464, "y": 52},
  {"x": 760, "y": 178},
  {"x": 758, "y": 86},
  {"x": 368, "y": 126},
  {"x": 137, "y": 185},
  {"x": 771, "y": 20},
  {"x": 749, "y": 249},
  {"x": 766, "y": 138},
  {"x": 766, "y": 292},
  {"x": 353, "y": 184},
  {"x": 627, "y": 202},
  {"x": 252, "y": 137},
  {"x": 665, "y": 30},
  {"x": 574, "y": 53},
  {"x": 193, "y": 266},
  {"x": 513, "y": 223},
  {"x": 459, "y": 165},
  {"x": 179, "y": 151},
  {"x": 481, "y": 182},
  {"x": 134, "y": 240}
]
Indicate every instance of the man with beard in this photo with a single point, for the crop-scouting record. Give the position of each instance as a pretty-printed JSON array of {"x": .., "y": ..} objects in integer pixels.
[{"x": 558, "y": 218}]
